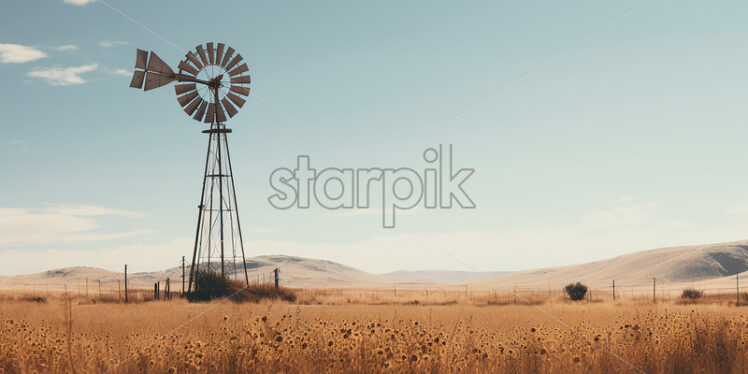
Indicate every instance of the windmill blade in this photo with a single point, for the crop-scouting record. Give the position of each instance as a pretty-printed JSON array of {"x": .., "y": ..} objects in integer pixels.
[
  {"x": 158, "y": 65},
  {"x": 140, "y": 59},
  {"x": 236, "y": 99},
  {"x": 229, "y": 108},
  {"x": 219, "y": 53},
  {"x": 209, "y": 117},
  {"x": 241, "y": 69},
  {"x": 182, "y": 88},
  {"x": 227, "y": 56},
  {"x": 188, "y": 68},
  {"x": 233, "y": 62},
  {"x": 240, "y": 90},
  {"x": 189, "y": 109},
  {"x": 211, "y": 53},
  {"x": 200, "y": 112},
  {"x": 156, "y": 80},
  {"x": 220, "y": 116},
  {"x": 201, "y": 52},
  {"x": 241, "y": 79},
  {"x": 184, "y": 100},
  {"x": 191, "y": 56},
  {"x": 137, "y": 79}
]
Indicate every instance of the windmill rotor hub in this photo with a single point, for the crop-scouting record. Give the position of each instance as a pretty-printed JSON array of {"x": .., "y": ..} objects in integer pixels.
[{"x": 216, "y": 82}]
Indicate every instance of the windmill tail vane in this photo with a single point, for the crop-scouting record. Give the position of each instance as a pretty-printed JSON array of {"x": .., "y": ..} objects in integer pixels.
[{"x": 212, "y": 83}]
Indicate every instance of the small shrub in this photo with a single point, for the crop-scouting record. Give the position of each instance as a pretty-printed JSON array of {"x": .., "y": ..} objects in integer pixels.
[
  {"x": 34, "y": 299},
  {"x": 210, "y": 285},
  {"x": 576, "y": 291},
  {"x": 691, "y": 294}
]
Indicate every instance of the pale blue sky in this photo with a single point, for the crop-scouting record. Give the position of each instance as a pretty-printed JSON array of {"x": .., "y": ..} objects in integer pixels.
[{"x": 632, "y": 139}]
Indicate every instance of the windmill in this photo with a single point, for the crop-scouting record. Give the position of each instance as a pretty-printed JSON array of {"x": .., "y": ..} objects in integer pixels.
[{"x": 213, "y": 83}]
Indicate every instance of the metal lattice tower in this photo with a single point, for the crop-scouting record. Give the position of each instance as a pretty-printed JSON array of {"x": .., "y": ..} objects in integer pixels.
[
  {"x": 213, "y": 83},
  {"x": 218, "y": 237}
]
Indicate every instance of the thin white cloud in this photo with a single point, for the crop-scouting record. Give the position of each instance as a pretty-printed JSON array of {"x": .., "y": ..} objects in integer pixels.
[
  {"x": 67, "y": 48},
  {"x": 356, "y": 212},
  {"x": 597, "y": 235},
  {"x": 58, "y": 224},
  {"x": 122, "y": 72},
  {"x": 78, "y": 2},
  {"x": 371, "y": 211},
  {"x": 63, "y": 76},
  {"x": 737, "y": 209},
  {"x": 90, "y": 237},
  {"x": 600, "y": 234},
  {"x": 138, "y": 257},
  {"x": 622, "y": 216},
  {"x": 112, "y": 43},
  {"x": 16, "y": 53},
  {"x": 20, "y": 145},
  {"x": 90, "y": 210},
  {"x": 263, "y": 230}
]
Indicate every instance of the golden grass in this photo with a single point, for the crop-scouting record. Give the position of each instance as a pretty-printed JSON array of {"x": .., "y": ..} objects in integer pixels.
[{"x": 351, "y": 331}]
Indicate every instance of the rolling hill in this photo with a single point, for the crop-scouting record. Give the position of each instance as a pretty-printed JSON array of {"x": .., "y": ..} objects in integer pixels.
[
  {"x": 294, "y": 272},
  {"x": 673, "y": 265},
  {"x": 712, "y": 265}
]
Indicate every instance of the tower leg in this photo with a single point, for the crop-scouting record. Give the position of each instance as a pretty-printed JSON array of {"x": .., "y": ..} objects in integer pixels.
[
  {"x": 236, "y": 208},
  {"x": 200, "y": 207},
  {"x": 220, "y": 201}
]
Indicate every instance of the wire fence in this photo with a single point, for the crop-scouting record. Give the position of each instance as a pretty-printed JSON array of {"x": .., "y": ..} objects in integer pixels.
[
  {"x": 512, "y": 295},
  {"x": 144, "y": 287},
  {"x": 130, "y": 287}
]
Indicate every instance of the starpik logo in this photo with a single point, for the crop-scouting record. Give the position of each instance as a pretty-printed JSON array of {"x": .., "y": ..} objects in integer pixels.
[{"x": 437, "y": 186}]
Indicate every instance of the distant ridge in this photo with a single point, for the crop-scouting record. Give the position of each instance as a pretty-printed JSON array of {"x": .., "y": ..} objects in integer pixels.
[
  {"x": 712, "y": 264},
  {"x": 672, "y": 265},
  {"x": 294, "y": 272}
]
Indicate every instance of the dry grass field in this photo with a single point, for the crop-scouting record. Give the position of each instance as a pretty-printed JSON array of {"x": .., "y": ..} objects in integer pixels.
[{"x": 365, "y": 331}]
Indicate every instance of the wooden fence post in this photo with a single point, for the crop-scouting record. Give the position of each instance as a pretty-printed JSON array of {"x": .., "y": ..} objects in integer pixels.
[
  {"x": 182, "y": 275},
  {"x": 126, "y": 297}
]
